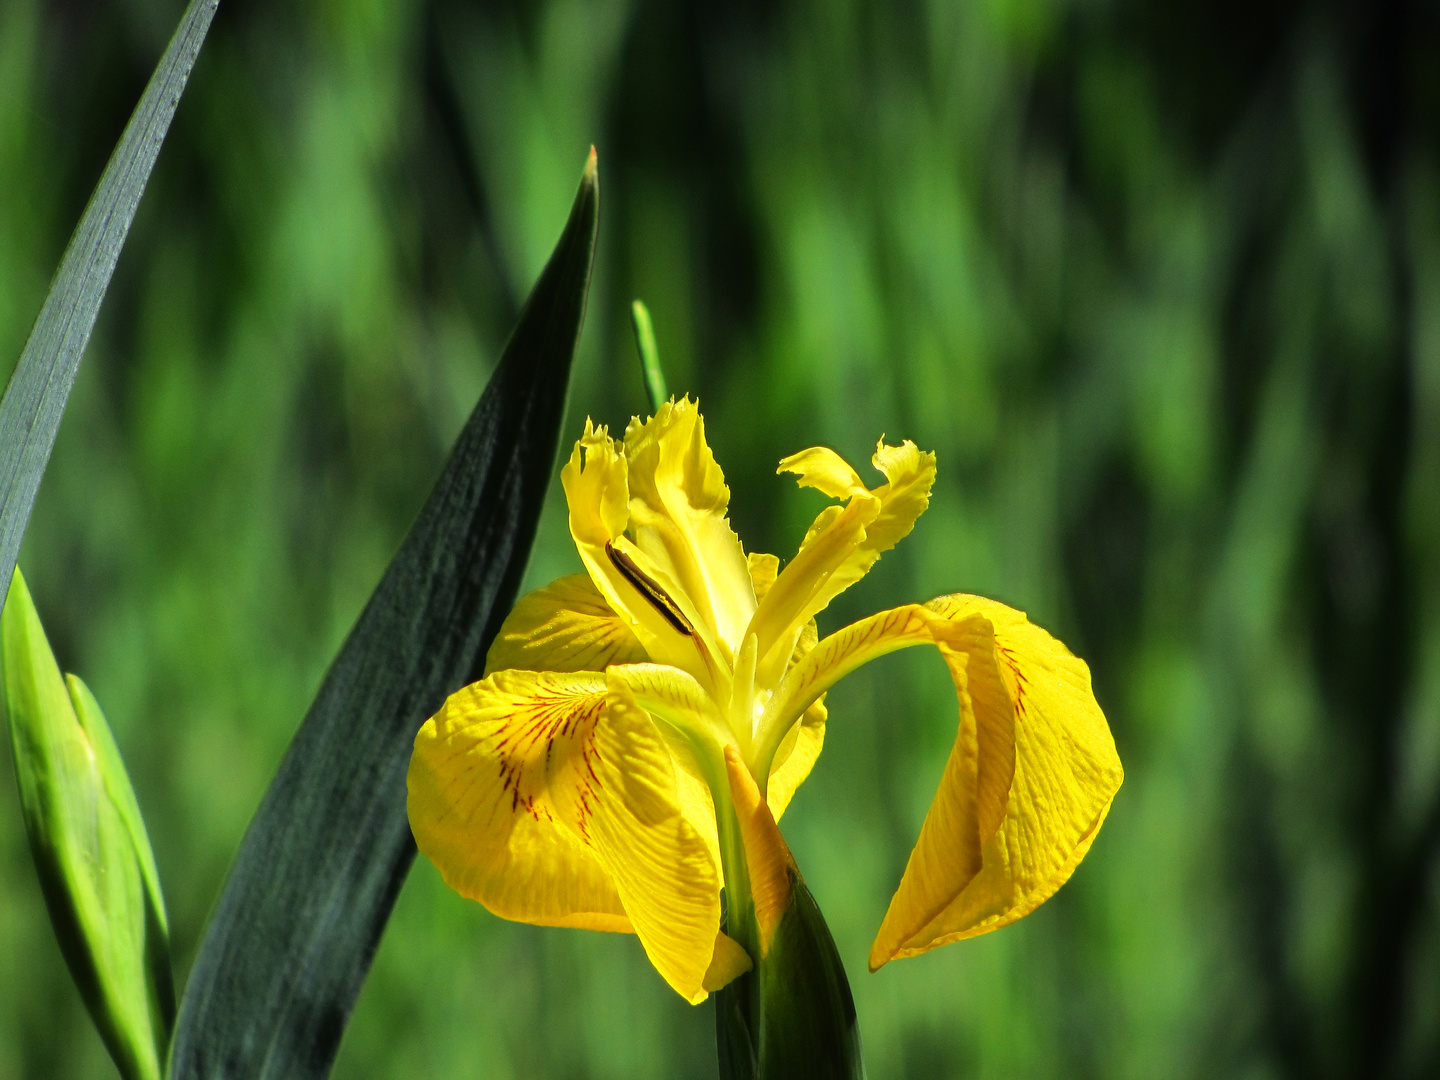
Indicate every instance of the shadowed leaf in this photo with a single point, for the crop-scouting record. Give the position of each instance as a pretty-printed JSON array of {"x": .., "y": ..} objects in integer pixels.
[
  {"x": 307, "y": 899},
  {"x": 793, "y": 1017}
]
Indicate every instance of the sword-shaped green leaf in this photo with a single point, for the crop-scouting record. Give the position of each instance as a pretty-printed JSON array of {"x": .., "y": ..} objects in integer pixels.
[
  {"x": 91, "y": 850},
  {"x": 322, "y": 862},
  {"x": 35, "y": 397}
]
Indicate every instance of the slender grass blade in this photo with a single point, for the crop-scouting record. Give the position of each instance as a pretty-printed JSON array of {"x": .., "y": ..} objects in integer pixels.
[
  {"x": 40, "y": 384},
  {"x": 654, "y": 374}
]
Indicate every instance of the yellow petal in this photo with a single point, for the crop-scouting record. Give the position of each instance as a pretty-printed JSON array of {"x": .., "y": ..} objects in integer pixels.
[
  {"x": 729, "y": 962},
  {"x": 767, "y": 858},
  {"x": 763, "y": 569},
  {"x": 665, "y": 872},
  {"x": 644, "y": 597},
  {"x": 566, "y": 626},
  {"x": 802, "y": 744},
  {"x": 482, "y": 806},
  {"x": 1066, "y": 775},
  {"x": 551, "y": 798},
  {"x": 801, "y": 747},
  {"x": 802, "y": 589},
  {"x": 909, "y": 476},
  {"x": 970, "y": 802},
  {"x": 844, "y": 542},
  {"x": 690, "y": 720},
  {"x": 1029, "y": 779},
  {"x": 826, "y": 471},
  {"x": 678, "y": 503},
  {"x": 795, "y": 758},
  {"x": 596, "y": 489}
]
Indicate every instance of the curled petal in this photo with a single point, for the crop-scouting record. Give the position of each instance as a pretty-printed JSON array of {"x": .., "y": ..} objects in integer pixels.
[
  {"x": 909, "y": 476},
  {"x": 1066, "y": 775},
  {"x": 843, "y": 543},
  {"x": 826, "y": 471},
  {"x": 1028, "y": 781}
]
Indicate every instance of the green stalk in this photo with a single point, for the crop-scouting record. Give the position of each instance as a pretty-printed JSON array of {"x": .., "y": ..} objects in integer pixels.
[
  {"x": 649, "y": 356},
  {"x": 737, "y": 1006}
]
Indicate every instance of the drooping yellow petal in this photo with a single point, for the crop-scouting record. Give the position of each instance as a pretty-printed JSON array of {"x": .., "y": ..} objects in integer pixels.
[
  {"x": 566, "y": 626},
  {"x": 678, "y": 504},
  {"x": 969, "y": 804},
  {"x": 551, "y": 798},
  {"x": 665, "y": 872},
  {"x": 1028, "y": 781},
  {"x": 482, "y": 806},
  {"x": 644, "y": 597},
  {"x": 688, "y": 720},
  {"x": 844, "y": 542},
  {"x": 1066, "y": 775}
]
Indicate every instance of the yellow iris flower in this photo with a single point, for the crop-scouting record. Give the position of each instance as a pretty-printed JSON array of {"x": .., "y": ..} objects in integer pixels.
[{"x": 606, "y": 772}]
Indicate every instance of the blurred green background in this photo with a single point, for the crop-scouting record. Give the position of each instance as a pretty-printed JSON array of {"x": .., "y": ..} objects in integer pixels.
[{"x": 1160, "y": 284}]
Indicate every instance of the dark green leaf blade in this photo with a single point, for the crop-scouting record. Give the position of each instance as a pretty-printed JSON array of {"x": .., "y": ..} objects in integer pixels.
[
  {"x": 307, "y": 899},
  {"x": 40, "y": 384},
  {"x": 89, "y": 845}
]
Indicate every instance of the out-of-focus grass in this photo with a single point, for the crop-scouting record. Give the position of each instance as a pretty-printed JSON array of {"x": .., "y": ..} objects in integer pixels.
[{"x": 1161, "y": 286}]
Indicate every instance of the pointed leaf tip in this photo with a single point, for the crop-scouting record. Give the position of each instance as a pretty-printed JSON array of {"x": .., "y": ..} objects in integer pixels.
[
  {"x": 40, "y": 384},
  {"x": 301, "y": 916}
]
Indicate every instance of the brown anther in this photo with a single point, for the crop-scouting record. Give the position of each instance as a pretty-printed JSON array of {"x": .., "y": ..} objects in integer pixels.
[{"x": 650, "y": 589}]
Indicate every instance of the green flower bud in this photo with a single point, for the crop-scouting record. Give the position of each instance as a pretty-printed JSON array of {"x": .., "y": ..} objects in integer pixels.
[{"x": 91, "y": 851}]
